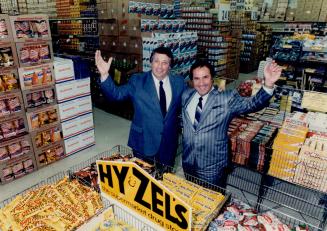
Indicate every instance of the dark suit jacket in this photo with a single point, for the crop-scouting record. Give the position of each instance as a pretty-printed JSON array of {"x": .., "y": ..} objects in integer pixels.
[
  {"x": 206, "y": 147},
  {"x": 150, "y": 133}
]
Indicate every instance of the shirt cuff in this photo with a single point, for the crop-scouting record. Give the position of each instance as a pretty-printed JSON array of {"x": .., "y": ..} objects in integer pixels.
[
  {"x": 270, "y": 91},
  {"x": 103, "y": 80}
]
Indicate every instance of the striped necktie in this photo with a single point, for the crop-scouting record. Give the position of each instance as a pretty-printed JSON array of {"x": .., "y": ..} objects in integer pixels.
[{"x": 198, "y": 112}]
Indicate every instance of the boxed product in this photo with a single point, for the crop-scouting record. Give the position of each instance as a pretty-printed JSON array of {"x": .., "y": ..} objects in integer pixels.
[
  {"x": 5, "y": 29},
  {"x": 78, "y": 125},
  {"x": 34, "y": 53},
  {"x": 10, "y": 104},
  {"x": 39, "y": 97},
  {"x": 8, "y": 55},
  {"x": 63, "y": 69},
  {"x": 42, "y": 118},
  {"x": 74, "y": 108},
  {"x": 79, "y": 142},
  {"x": 15, "y": 147},
  {"x": 30, "y": 27},
  {"x": 36, "y": 76},
  {"x": 13, "y": 126},
  {"x": 9, "y": 80},
  {"x": 108, "y": 28},
  {"x": 73, "y": 89},
  {"x": 46, "y": 137},
  {"x": 48, "y": 155},
  {"x": 17, "y": 167}
]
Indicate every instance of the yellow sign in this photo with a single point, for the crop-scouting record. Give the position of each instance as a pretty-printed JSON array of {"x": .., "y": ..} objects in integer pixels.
[
  {"x": 316, "y": 101},
  {"x": 130, "y": 185}
]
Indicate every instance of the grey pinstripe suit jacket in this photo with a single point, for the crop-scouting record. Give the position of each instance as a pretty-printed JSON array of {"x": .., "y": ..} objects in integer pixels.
[{"x": 206, "y": 147}]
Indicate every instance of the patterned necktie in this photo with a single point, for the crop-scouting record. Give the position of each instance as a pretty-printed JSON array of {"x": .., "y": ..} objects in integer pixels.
[
  {"x": 198, "y": 112},
  {"x": 162, "y": 98}
]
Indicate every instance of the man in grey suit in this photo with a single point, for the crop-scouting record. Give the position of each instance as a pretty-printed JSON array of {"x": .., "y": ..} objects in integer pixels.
[
  {"x": 156, "y": 98},
  {"x": 207, "y": 112}
]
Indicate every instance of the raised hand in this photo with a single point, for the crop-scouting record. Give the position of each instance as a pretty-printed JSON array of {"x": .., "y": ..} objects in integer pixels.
[
  {"x": 103, "y": 66},
  {"x": 272, "y": 73}
]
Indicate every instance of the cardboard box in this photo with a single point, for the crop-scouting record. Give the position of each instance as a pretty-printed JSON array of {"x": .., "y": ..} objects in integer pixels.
[
  {"x": 6, "y": 34},
  {"x": 83, "y": 87},
  {"x": 42, "y": 118},
  {"x": 36, "y": 77},
  {"x": 15, "y": 100},
  {"x": 77, "y": 125},
  {"x": 63, "y": 70},
  {"x": 75, "y": 107},
  {"x": 11, "y": 61},
  {"x": 109, "y": 43},
  {"x": 108, "y": 28},
  {"x": 32, "y": 104},
  {"x": 80, "y": 142},
  {"x": 17, "y": 167},
  {"x": 10, "y": 74},
  {"x": 37, "y": 27},
  {"x": 50, "y": 154},
  {"x": 47, "y": 137},
  {"x": 34, "y": 53},
  {"x": 17, "y": 147},
  {"x": 18, "y": 119},
  {"x": 66, "y": 91}
]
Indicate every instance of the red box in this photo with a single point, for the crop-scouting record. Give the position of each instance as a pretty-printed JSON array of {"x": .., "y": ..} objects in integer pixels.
[
  {"x": 34, "y": 53},
  {"x": 6, "y": 34},
  {"x": 30, "y": 27},
  {"x": 8, "y": 56},
  {"x": 36, "y": 77}
]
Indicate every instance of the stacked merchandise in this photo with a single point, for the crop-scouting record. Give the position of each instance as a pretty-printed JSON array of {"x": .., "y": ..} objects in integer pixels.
[
  {"x": 183, "y": 46},
  {"x": 233, "y": 55},
  {"x": 242, "y": 134},
  {"x": 266, "y": 31},
  {"x": 212, "y": 44},
  {"x": 286, "y": 148},
  {"x": 241, "y": 216},
  {"x": 259, "y": 146},
  {"x": 252, "y": 44},
  {"x": 63, "y": 205},
  {"x": 33, "y": 42},
  {"x": 37, "y": 7},
  {"x": 205, "y": 203},
  {"x": 16, "y": 149},
  {"x": 9, "y": 7},
  {"x": 311, "y": 169},
  {"x": 75, "y": 106}
]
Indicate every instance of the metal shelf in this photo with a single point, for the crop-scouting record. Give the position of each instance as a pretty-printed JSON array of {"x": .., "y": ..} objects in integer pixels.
[{"x": 67, "y": 19}]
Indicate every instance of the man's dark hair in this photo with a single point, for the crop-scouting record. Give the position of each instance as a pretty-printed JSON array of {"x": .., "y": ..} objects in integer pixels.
[
  {"x": 202, "y": 63},
  {"x": 164, "y": 51}
]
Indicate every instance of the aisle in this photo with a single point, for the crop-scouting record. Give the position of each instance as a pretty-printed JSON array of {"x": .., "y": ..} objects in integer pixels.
[{"x": 110, "y": 130}]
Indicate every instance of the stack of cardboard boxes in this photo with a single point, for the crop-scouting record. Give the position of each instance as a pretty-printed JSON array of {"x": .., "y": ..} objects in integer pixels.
[
  {"x": 75, "y": 107},
  {"x": 120, "y": 32}
]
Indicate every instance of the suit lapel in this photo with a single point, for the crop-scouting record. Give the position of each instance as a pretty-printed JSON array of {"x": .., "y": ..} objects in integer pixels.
[
  {"x": 173, "y": 87},
  {"x": 208, "y": 106},
  {"x": 150, "y": 88},
  {"x": 187, "y": 101}
]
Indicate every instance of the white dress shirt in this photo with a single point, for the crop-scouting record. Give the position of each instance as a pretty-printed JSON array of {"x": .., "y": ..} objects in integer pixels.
[
  {"x": 191, "y": 107},
  {"x": 167, "y": 88}
]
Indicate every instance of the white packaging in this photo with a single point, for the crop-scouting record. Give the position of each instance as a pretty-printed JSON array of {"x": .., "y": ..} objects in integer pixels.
[
  {"x": 86, "y": 122},
  {"x": 68, "y": 110},
  {"x": 83, "y": 87},
  {"x": 70, "y": 128},
  {"x": 83, "y": 105},
  {"x": 63, "y": 69},
  {"x": 66, "y": 91},
  {"x": 72, "y": 145}
]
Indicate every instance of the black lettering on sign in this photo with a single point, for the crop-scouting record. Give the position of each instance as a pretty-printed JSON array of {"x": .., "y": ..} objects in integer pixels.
[
  {"x": 141, "y": 190},
  {"x": 155, "y": 199},
  {"x": 181, "y": 222},
  {"x": 106, "y": 174},
  {"x": 121, "y": 177}
]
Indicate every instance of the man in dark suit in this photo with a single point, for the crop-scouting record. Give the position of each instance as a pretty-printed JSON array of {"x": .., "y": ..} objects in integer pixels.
[
  {"x": 207, "y": 113},
  {"x": 156, "y": 97}
]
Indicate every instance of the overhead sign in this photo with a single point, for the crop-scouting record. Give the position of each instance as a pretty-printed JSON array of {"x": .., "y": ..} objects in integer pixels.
[{"x": 130, "y": 185}]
